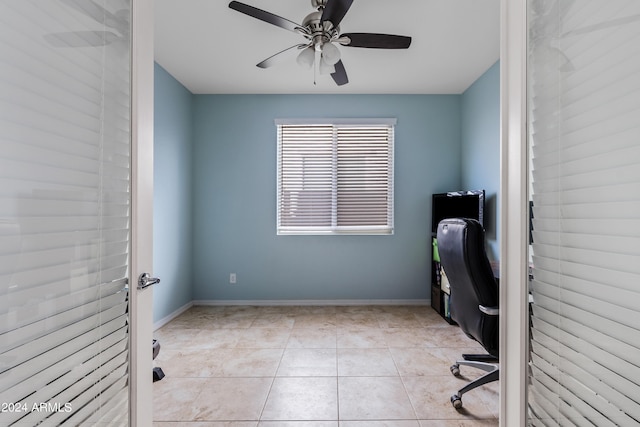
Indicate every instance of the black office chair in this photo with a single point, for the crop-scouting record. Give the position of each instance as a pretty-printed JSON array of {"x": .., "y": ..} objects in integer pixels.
[{"x": 474, "y": 295}]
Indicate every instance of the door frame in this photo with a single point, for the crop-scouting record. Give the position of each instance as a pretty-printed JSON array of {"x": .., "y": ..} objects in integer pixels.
[
  {"x": 513, "y": 211},
  {"x": 141, "y": 301},
  {"x": 513, "y": 193}
]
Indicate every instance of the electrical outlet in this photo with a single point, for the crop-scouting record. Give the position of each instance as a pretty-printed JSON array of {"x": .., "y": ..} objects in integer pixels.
[{"x": 232, "y": 278}]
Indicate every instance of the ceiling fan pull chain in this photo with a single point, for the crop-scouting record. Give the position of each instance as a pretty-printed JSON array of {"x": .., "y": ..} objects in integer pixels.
[{"x": 316, "y": 66}]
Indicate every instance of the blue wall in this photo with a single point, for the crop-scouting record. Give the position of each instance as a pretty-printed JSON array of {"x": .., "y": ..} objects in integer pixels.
[
  {"x": 172, "y": 204},
  {"x": 481, "y": 148},
  {"x": 234, "y": 200},
  {"x": 215, "y": 160}
]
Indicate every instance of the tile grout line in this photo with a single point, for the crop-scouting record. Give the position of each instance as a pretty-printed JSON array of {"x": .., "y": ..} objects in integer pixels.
[
  {"x": 337, "y": 380},
  {"x": 338, "y": 376}
]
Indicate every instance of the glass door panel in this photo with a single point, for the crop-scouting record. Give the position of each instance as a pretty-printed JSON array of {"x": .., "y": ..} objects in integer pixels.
[
  {"x": 64, "y": 211},
  {"x": 584, "y": 138}
]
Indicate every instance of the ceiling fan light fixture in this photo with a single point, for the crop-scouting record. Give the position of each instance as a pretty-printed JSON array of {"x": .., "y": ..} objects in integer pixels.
[
  {"x": 306, "y": 57},
  {"x": 330, "y": 53},
  {"x": 325, "y": 67}
]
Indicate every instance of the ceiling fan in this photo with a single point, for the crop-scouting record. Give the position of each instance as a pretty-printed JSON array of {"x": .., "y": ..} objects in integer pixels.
[{"x": 322, "y": 32}]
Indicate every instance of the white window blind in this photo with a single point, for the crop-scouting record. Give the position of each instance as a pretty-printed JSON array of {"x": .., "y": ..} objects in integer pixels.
[
  {"x": 64, "y": 214},
  {"x": 335, "y": 177},
  {"x": 584, "y": 106}
]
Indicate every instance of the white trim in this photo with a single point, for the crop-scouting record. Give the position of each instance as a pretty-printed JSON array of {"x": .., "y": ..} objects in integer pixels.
[
  {"x": 312, "y": 302},
  {"x": 513, "y": 211},
  {"x": 363, "y": 230},
  {"x": 141, "y": 302},
  {"x": 168, "y": 318},
  {"x": 389, "y": 121}
]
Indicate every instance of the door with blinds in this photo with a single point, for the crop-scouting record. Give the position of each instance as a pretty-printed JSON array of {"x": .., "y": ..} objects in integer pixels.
[
  {"x": 584, "y": 116},
  {"x": 65, "y": 212}
]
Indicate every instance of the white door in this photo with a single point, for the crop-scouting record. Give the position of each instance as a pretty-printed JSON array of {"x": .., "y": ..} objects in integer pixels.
[
  {"x": 584, "y": 138},
  {"x": 75, "y": 332}
]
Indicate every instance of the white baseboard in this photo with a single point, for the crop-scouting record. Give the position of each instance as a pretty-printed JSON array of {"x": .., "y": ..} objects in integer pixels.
[
  {"x": 160, "y": 323},
  {"x": 315, "y": 302}
]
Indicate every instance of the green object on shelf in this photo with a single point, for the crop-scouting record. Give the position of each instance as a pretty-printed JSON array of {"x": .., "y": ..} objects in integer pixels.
[{"x": 436, "y": 254}]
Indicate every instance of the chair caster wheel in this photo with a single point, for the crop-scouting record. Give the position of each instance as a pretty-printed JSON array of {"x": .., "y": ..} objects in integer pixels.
[
  {"x": 456, "y": 401},
  {"x": 455, "y": 370}
]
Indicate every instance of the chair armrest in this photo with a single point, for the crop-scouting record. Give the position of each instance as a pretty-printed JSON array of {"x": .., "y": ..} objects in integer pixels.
[{"x": 491, "y": 311}]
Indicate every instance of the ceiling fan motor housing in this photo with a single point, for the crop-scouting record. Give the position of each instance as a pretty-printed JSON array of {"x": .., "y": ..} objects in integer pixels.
[{"x": 317, "y": 31}]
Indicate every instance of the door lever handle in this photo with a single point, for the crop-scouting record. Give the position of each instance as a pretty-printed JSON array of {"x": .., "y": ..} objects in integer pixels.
[{"x": 146, "y": 280}]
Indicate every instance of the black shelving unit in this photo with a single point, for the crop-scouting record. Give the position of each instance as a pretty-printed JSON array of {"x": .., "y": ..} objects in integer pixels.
[{"x": 439, "y": 298}]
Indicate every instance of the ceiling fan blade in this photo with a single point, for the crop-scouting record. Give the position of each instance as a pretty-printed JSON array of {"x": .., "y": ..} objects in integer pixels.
[
  {"x": 274, "y": 59},
  {"x": 81, "y": 38},
  {"x": 264, "y": 16},
  {"x": 335, "y": 10},
  {"x": 377, "y": 41},
  {"x": 340, "y": 75}
]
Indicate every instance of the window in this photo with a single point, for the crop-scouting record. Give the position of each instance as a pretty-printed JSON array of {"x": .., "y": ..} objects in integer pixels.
[{"x": 335, "y": 177}]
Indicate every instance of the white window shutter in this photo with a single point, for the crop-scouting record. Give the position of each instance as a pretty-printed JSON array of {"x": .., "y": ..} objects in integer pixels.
[
  {"x": 584, "y": 108},
  {"x": 64, "y": 217},
  {"x": 335, "y": 177}
]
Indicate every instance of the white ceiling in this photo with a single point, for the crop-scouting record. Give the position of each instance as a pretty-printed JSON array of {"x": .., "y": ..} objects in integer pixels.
[{"x": 212, "y": 49}]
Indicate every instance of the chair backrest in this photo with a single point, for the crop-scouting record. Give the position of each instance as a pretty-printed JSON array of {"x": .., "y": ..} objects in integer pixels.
[{"x": 464, "y": 259}]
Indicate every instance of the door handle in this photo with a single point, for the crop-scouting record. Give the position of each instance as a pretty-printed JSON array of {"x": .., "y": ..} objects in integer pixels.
[{"x": 146, "y": 280}]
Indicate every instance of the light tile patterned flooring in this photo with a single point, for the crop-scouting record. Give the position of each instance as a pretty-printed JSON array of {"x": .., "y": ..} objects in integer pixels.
[{"x": 315, "y": 366}]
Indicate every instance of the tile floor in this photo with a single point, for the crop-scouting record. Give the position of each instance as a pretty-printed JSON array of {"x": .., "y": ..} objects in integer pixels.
[{"x": 315, "y": 366}]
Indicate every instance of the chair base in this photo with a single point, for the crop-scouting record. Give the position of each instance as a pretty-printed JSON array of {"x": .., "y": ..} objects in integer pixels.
[{"x": 492, "y": 374}]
